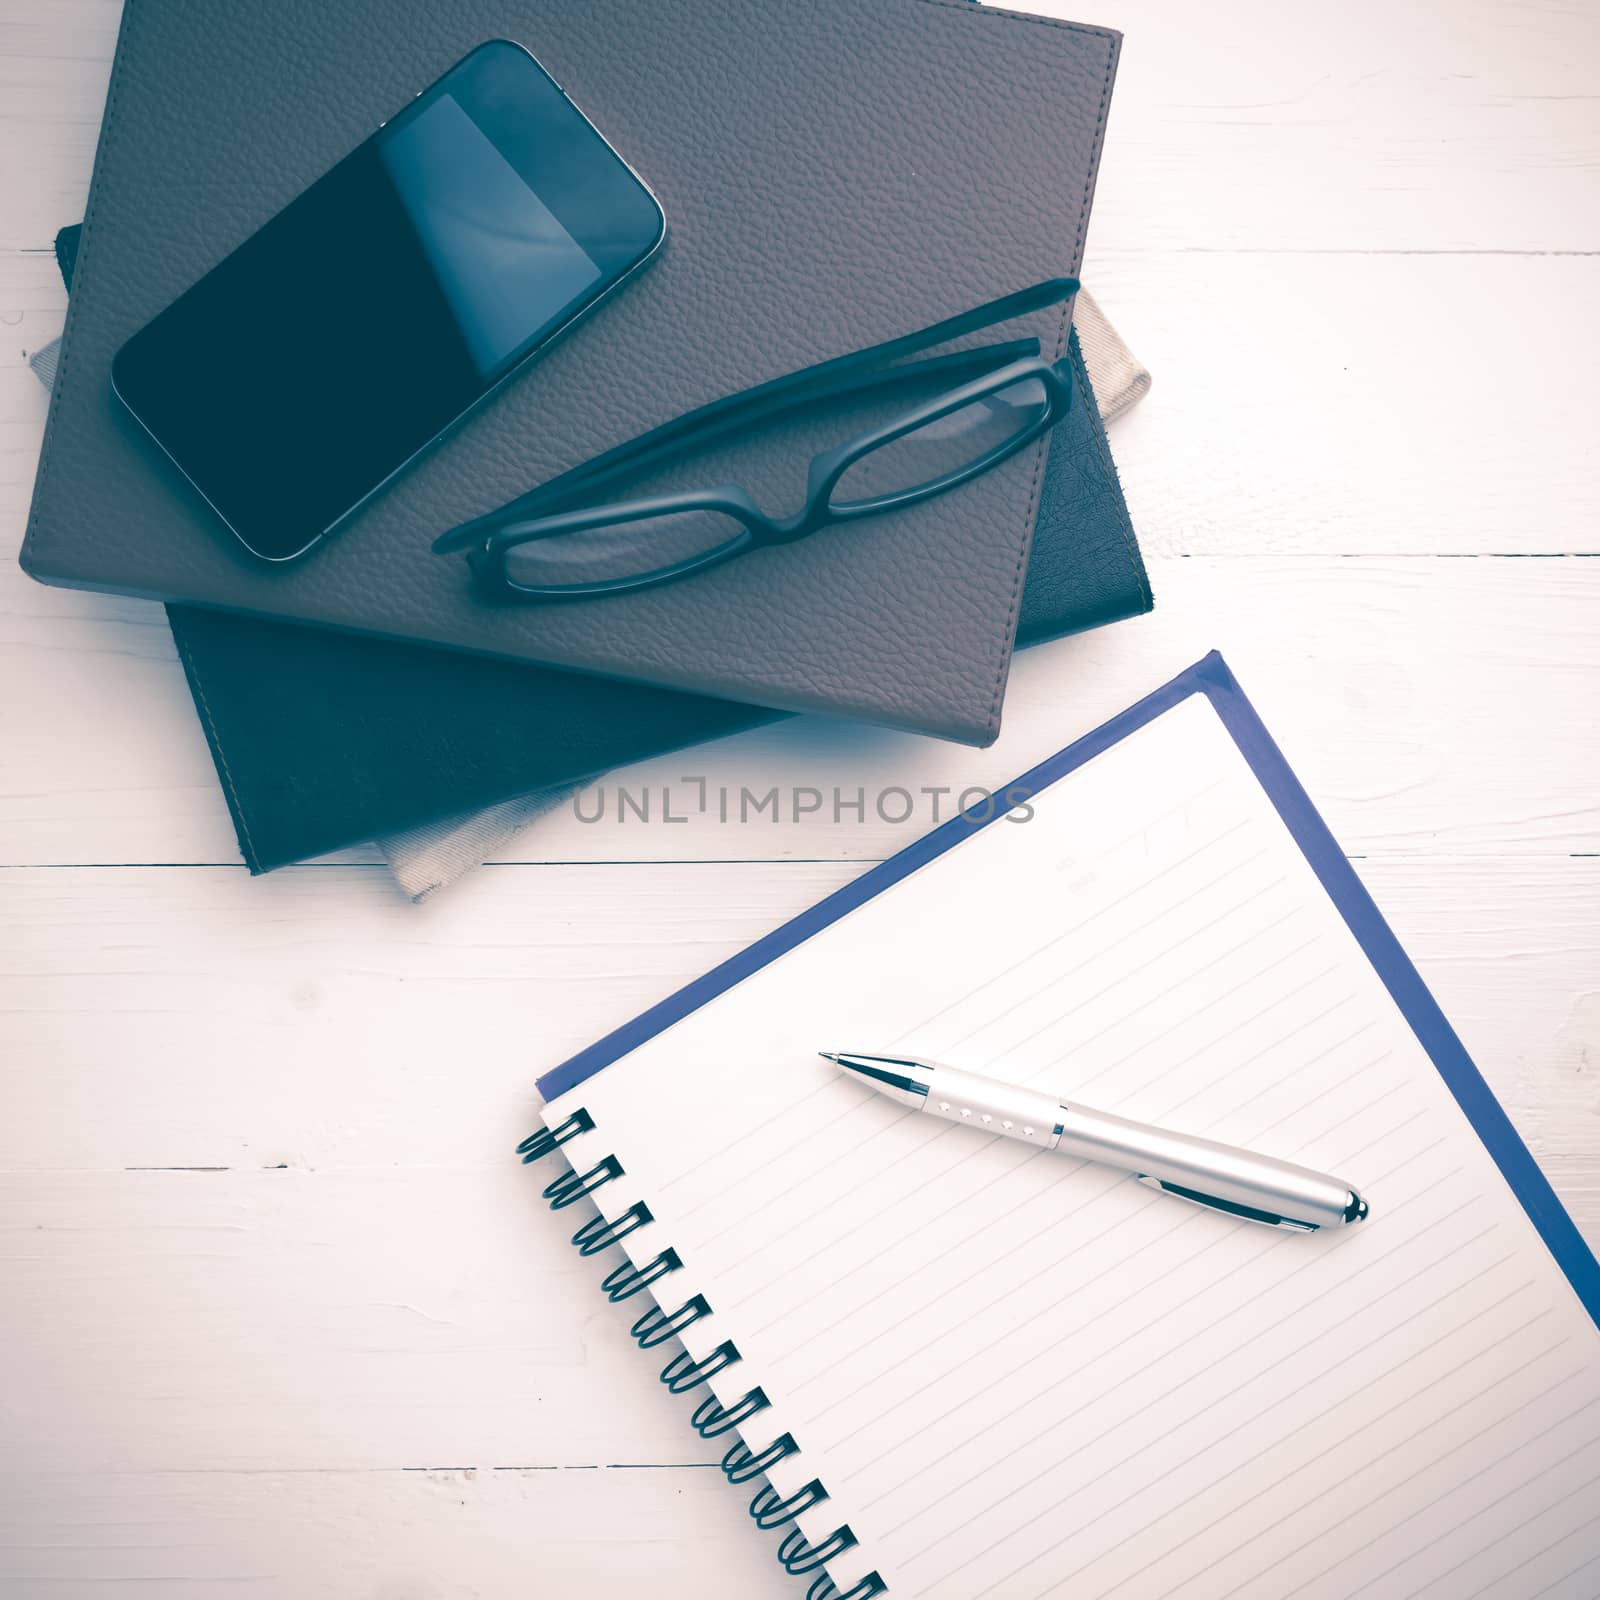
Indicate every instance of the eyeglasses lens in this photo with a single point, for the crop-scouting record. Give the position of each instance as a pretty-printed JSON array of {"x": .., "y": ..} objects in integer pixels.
[
  {"x": 620, "y": 550},
  {"x": 943, "y": 447}
]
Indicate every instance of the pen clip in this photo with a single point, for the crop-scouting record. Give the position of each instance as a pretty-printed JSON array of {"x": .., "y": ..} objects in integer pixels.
[{"x": 1230, "y": 1208}]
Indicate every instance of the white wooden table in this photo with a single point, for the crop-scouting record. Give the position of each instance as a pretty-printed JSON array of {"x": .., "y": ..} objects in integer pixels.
[{"x": 282, "y": 1316}]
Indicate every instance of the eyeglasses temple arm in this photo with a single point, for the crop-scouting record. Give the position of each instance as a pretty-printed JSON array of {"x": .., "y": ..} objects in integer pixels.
[{"x": 789, "y": 393}]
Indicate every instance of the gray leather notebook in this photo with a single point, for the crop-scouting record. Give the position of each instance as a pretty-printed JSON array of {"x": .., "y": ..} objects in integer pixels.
[{"x": 834, "y": 172}]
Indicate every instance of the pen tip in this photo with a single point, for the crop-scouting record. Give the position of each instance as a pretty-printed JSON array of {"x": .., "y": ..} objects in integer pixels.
[{"x": 829, "y": 1055}]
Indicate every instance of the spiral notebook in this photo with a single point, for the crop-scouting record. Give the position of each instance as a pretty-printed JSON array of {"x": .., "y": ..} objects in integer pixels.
[{"x": 959, "y": 1367}]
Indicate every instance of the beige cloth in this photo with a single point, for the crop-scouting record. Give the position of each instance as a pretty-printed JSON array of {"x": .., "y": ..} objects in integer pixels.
[
  {"x": 45, "y": 362},
  {"x": 1120, "y": 382},
  {"x": 427, "y": 859}
]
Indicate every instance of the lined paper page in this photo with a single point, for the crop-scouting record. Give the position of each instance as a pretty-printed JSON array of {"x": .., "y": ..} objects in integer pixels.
[{"x": 1020, "y": 1376}]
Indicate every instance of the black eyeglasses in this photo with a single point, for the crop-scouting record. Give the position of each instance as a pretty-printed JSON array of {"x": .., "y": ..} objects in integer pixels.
[{"x": 558, "y": 543}]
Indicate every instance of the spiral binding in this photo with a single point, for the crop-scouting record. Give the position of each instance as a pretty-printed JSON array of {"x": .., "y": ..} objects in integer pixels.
[
  {"x": 741, "y": 1463},
  {"x": 656, "y": 1326},
  {"x": 544, "y": 1140},
  {"x": 572, "y": 1186},
  {"x": 711, "y": 1417},
  {"x": 623, "y": 1282},
  {"x": 683, "y": 1373}
]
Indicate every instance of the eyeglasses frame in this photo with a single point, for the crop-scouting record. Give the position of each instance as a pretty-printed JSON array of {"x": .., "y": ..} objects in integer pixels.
[{"x": 555, "y": 509}]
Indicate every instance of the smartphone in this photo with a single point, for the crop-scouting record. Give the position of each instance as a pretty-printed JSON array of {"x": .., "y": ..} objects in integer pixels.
[{"x": 380, "y": 306}]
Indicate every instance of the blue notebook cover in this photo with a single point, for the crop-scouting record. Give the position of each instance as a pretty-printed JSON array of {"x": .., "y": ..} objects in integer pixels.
[{"x": 1212, "y": 678}]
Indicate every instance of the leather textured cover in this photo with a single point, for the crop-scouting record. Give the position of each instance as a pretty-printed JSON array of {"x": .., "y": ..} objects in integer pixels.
[{"x": 834, "y": 172}]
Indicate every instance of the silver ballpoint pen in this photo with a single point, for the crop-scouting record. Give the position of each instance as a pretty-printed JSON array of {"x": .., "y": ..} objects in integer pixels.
[{"x": 1221, "y": 1176}]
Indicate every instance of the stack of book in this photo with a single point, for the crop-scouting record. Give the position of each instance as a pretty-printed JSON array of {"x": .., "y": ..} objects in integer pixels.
[{"x": 869, "y": 170}]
